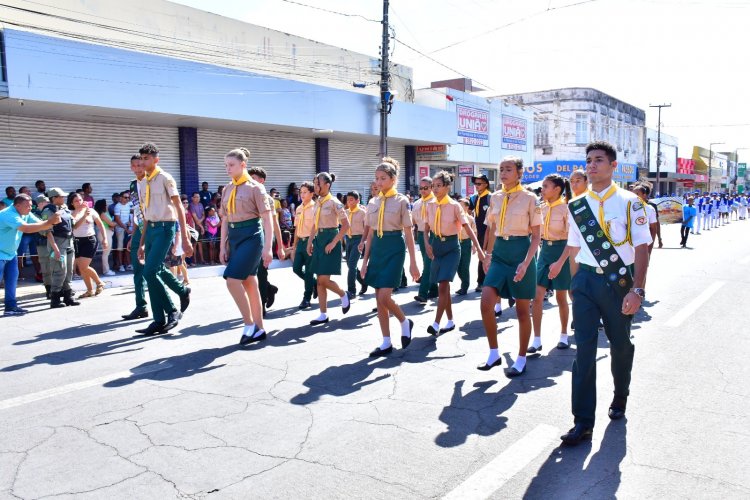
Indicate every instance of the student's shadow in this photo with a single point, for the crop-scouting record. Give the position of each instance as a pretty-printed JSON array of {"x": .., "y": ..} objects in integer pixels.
[
  {"x": 74, "y": 332},
  {"x": 475, "y": 330},
  {"x": 563, "y": 475}
]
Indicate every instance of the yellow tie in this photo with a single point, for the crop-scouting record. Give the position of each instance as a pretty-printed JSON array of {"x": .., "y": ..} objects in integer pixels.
[
  {"x": 548, "y": 217},
  {"x": 440, "y": 203},
  {"x": 301, "y": 222},
  {"x": 479, "y": 200},
  {"x": 508, "y": 192},
  {"x": 351, "y": 216},
  {"x": 381, "y": 212},
  {"x": 231, "y": 204},
  {"x": 156, "y": 172},
  {"x": 425, "y": 200},
  {"x": 610, "y": 192},
  {"x": 320, "y": 207}
]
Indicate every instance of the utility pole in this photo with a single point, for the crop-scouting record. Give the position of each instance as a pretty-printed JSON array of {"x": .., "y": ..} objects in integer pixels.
[
  {"x": 385, "y": 77},
  {"x": 658, "y": 145}
]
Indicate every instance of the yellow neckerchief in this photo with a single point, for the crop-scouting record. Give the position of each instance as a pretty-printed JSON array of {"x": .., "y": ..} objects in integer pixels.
[
  {"x": 381, "y": 212},
  {"x": 605, "y": 226},
  {"x": 231, "y": 203},
  {"x": 351, "y": 216},
  {"x": 301, "y": 222},
  {"x": 149, "y": 178},
  {"x": 479, "y": 200},
  {"x": 425, "y": 201},
  {"x": 548, "y": 217},
  {"x": 446, "y": 199},
  {"x": 322, "y": 202},
  {"x": 506, "y": 198}
]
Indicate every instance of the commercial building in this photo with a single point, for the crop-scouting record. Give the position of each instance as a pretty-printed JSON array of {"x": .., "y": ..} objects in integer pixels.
[
  {"x": 670, "y": 179},
  {"x": 711, "y": 178}
]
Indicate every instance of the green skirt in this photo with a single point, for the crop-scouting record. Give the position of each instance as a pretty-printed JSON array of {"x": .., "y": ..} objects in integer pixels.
[
  {"x": 245, "y": 250},
  {"x": 322, "y": 263},
  {"x": 446, "y": 256},
  {"x": 387, "y": 257},
  {"x": 506, "y": 256},
  {"x": 549, "y": 255}
]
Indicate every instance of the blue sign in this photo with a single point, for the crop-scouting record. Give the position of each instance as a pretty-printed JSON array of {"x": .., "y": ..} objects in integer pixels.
[{"x": 625, "y": 172}]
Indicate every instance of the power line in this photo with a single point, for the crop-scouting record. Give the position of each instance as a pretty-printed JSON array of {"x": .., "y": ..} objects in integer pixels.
[{"x": 333, "y": 11}]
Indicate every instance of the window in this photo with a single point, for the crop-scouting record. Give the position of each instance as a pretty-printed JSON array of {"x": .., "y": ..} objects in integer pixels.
[
  {"x": 582, "y": 129},
  {"x": 542, "y": 133}
]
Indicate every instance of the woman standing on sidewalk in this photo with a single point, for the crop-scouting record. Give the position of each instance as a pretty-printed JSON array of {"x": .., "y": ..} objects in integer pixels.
[
  {"x": 553, "y": 268},
  {"x": 390, "y": 223},
  {"x": 247, "y": 216},
  {"x": 84, "y": 221}
]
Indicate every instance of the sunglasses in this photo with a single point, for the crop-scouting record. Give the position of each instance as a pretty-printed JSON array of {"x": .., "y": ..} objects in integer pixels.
[{"x": 424, "y": 188}]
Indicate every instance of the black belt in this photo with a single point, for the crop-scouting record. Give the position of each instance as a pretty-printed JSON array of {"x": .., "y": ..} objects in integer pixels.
[
  {"x": 506, "y": 238},
  {"x": 328, "y": 229},
  {"x": 244, "y": 223},
  {"x": 450, "y": 237},
  {"x": 554, "y": 242}
]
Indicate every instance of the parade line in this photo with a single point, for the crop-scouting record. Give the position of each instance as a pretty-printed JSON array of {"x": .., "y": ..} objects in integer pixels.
[
  {"x": 694, "y": 304},
  {"x": 77, "y": 386}
]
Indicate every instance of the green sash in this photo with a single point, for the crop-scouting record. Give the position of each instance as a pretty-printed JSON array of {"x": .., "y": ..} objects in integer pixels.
[{"x": 610, "y": 263}]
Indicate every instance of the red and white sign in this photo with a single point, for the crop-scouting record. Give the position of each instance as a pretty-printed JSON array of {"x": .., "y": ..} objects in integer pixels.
[
  {"x": 473, "y": 126},
  {"x": 432, "y": 152},
  {"x": 424, "y": 171},
  {"x": 514, "y": 133},
  {"x": 685, "y": 166},
  {"x": 466, "y": 170}
]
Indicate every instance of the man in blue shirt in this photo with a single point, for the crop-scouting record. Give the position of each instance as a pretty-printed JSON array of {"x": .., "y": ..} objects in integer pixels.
[
  {"x": 205, "y": 195},
  {"x": 688, "y": 219},
  {"x": 15, "y": 221}
]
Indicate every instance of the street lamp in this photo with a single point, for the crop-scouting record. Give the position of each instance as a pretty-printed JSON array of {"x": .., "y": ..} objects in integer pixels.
[{"x": 710, "y": 159}]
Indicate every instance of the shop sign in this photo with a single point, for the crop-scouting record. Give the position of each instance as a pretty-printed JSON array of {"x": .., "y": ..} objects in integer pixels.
[
  {"x": 514, "y": 133},
  {"x": 424, "y": 171},
  {"x": 625, "y": 172},
  {"x": 466, "y": 170},
  {"x": 685, "y": 166},
  {"x": 473, "y": 126},
  {"x": 741, "y": 170},
  {"x": 432, "y": 152}
]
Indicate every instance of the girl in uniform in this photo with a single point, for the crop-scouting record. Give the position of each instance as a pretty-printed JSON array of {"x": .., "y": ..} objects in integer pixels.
[
  {"x": 464, "y": 265},
  {"x": 324, "y": 246},
  {"x": 390, "y": 223},
  {"x": 245, "y": 207},
  {"x": 445, "y": 219},
  {"x": 303, "y": 227},
  {"x": 579, "y": 182},
  {"x": 553, "y": 268},
  {"x": 510, "y": 263}
]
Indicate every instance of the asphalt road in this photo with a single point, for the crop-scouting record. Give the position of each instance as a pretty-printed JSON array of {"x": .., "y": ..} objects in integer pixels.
[{"x": 90, "y": 411}]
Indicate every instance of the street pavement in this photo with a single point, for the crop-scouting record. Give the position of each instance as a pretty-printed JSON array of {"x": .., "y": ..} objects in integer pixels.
[{"x": 88, "y": 410}]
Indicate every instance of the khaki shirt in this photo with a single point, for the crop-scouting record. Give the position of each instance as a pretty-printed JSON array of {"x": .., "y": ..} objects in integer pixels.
[
  {"x": 161, "y": 189},
  {"x": 452, "y": 217},
  {"x": 558, "y": 222},
  {"x": 357, "y": 221},
  {"x": 305, "y": 227},
  {"x": 396, "y": 215},
  {"x": 250, "y": 201},
  {"x": 416, "y": 213},
  {"x": 472, "y": 224},
  {"x": 331, "y": 212},
  {"x": 521, "y": 214}
]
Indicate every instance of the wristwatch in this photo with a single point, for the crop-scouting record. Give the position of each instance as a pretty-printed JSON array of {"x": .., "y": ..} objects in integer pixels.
[{"x": 639, "y": 292}]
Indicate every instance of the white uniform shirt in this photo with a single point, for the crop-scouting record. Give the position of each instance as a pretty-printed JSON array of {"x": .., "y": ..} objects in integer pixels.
[
  {"x": 614, "y": 214},
  {"x": 651, "y": 214}
]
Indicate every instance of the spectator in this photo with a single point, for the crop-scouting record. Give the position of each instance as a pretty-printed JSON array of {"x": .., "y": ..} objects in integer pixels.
[
  {"x": 111, "y": 207},
  {"x": 293, "y": 198},
  {"x": 87, "y": 198},
  {"x": 123, "y": 230},
  {"x": 206, "y": 195},
  {"x": 85, "y": 221},
  {"x": 215, "y": 201},
  {"x": 198, "y": 211},
  {"x": 285, "y": 222},
  {"x": 41, "y": 189},
  {"x": 276, "y": 202},
  {"x": 192, "y": 231},
  {"x": 10, "y": 195},
  {"x": 107, "y": 239},
  {"x": 212, "y": 229}
]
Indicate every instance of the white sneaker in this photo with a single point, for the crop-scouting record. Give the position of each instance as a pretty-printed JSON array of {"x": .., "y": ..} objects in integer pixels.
[
  {"x": 121, "y": 269},
  {"x": 110, "y": 273},
  {"x": 130, "y": 268}
]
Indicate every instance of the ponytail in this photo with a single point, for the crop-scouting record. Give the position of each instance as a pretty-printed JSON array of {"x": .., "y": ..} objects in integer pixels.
[
  {"x": 568, "y": 191},
  {"x": 326, "y": 177},
  {"x": 562, "y": 183}
]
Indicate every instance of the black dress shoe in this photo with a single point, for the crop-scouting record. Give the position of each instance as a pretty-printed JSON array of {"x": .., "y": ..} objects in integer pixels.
[
  {"x": 532, "y": 349},
  {"x": 498, "y": 313},
  {"x": 153, "y": 329},
  {"x": 305, "y": 304},
  {"x": 185, "y": 299},
  {"x": 420, "y": 299},
  {"x": 484, "y": 366},
  {"x": 617, "y": 408},
  {"x": 478, "y": 289},
  {"x": 172, "y": 321},
  {"x": 378, "y": 352},
  {"x": 513, "y": 372},
  {"x": 136, "y": 314},
  {"x": 447, "y": 329},
  {"x": 364, "y": 289},
  {"x": 405, "y": 341},
  {"x": 374, "y": 309},
  {"x": 345, "y": 310},
  {"x": 511, "y": 302},
  {"x": 577, "y": 435},
  {"x": 272, "y": 290},
  {"x": 246, "y": 339},
  {"x": 461, "y": 292},
  {"x": 562, "y": 345},
  {"x": 431, "y": 330},
  {"x": 317, "y": 322}
]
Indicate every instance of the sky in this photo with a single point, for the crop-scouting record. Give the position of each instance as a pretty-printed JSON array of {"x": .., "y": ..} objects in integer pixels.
[{"x": 691, "y": 54}]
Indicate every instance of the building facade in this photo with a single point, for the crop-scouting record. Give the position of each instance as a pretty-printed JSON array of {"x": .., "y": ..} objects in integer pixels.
[{"x": 671, "y": 180}]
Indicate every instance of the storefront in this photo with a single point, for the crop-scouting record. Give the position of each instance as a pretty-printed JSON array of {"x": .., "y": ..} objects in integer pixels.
[{"x": 625, "y": 173}]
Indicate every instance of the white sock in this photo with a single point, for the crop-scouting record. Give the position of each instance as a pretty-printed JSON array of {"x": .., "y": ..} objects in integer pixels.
[
  {"x": 537, "y": 343},
  {"x": 494, "y": 356},
  {"x": 436, "y": 326},
  {"x": 405, "y": 332},
  {"x": 386, "y": 343},
  {"x": 450, "y": 324},
  {"x": 564, "y": 338},
  {"x": 260, "y": 332},
  {"x": 520, "y": 363},
  {"x": 248, "y": 330},
  {"x": 321, "y": 317},
  {"x": 498, "y": 308},
  {"x": 345, "y": 300}
]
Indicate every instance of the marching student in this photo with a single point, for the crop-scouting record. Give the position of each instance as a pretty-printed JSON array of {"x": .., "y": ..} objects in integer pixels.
[
  {"x": 356, "y": 215},
  {"x": 445, "y": 220},
  {"x": 579, "y": 182},
  {"x": 553, "y": 268},
  {"x": 696, "y": 229},
  {"x": 707, "y": 209},
  {"x": 464, "y": 265},
  {"x": 688, "y": 219},
  {"x": 324, "y": 246},
  {"x": 390, "y": 235},
  {"x": 743, "y": 207},
  {"x": 304, "y": 222},
  {"x": 419, "y": 215},
  {"x": 247, "y": 219},
  {"x": 510, "y": 260},
  {"x": 642, "y": 190},
  {"x": 479, "y": 203}
]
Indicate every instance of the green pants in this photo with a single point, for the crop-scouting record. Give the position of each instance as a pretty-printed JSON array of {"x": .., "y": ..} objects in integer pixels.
[
  {"x": 595, "y": 297},
  {"x": 464, "y": 265},
  {"x": 159, "y": 238},
  {"x": 62, "y": 272},
  {"x": 352, "y": 259},
  {"x": 169, "y": 279},
  {"x": 425, "y": 290},
  {"x": 302, "y": 267},
  {"x": 44, "y": 262}
]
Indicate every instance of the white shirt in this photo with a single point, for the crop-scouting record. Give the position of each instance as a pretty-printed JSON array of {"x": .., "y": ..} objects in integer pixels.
[
  {"x": 651, "y": 214},
  {"x": 615, "y": 214},
  {"x": 124, "y": 212}
]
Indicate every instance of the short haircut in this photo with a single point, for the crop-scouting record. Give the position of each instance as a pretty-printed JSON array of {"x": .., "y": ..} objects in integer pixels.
[
  {"x": 259, "y": 171},
  {"x": 115, "y": 196},
  {"x": 204, "y": 183},
  {"x": 21, "y": 198},
  {"x": 37, "y": 183},
  {"x": 465, "y": 201},
  {"x": 9, "y": 190},
  {"x": 127, "y": 192},
  {"x": 85, "y": 185},
  {"x": 308, "y": 185},
  {"x": 603, "y": 146},
  {"x": 149, "y": 149},
  {"x": 426, "y": 179},
  {"x": 353, "y": 194},
  {"x": 135, "y": 158}
]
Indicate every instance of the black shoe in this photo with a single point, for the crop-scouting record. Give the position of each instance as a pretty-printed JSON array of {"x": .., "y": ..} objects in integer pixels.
[
  {"x": 511, "y": 302},
  {"x": 395, "y": 290},
  {"x": 478, "y": 289},
  {"x": 577, "y": 435},
  {"x": 617, "y": 408},
  {"x": 532, "y": 349},
  {"x": 47, "y": 293},
  {"x": 56, "y": 300},
  {"x": 136, "y": 314},
  {"x": 447, "y": 329},
  {"x": 432, "y": 296},
  {"x": 461, "y": 292},
  {"x": 374, "y": 309},
  {"x": 345, "y": 310},
  {"x": 513, "y": 372},
  {"x": 498, "y": 313},
  {"x": 431, "y": 330},
  {"x": 153, "y": 329},
  {"x": 185, "y": 299},
  {"x": 315, "y": 289},
  {"x": 271, "y": 298},
  {"x": 405, "y": 341},
  {"x": 305, "y": 304},
  {"x": 378, "y": 352},
  {"x": 562, "y": 345},
  {"x": 364, "y": 289},
  {"x": 249, "y": 339},
  {"x": 485, "y": 367},
  {"x": 68, "y": 298},
  {"x": 317, "y": 322},
  {"x": 420, "y": 299},
  {"x": 172, "y": 320}
]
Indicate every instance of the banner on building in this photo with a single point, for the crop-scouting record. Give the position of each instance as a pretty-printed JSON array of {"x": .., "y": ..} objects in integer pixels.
[
  {"x": 685, "y": 166},
  {"x": 473, "y": 126},
  {"x": 432, "y": 152},
  {"x": 514, "y": 133},
  {"x": 741, "y": 170},
  {"x": 625, "y": 172},
  {"x": 670, "y": 209},
  {"x": 424, "y": 171}
]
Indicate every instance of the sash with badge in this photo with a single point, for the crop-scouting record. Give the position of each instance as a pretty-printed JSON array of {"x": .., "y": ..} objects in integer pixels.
[{"x": 603, "y": 250}]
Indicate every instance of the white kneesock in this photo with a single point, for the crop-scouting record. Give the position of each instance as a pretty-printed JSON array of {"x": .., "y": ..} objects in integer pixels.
[
  {"x": 498, "y": 308},
  {"x": 564, "y": 338},
  {"x": 494, "y": 356},
  {"x": 248, "y": 330},
  {"x": 322, "y": 317},
  {"x": 450, "y": 324},
  {"x": 386, "y": 343},
  {"x": 537, "y": 343},
  {"x": 345, "y": 300},
  {"x": 520, "y": 363},
  {"x": 436, "y": 326},
  {"x": 405, "y": 330}
]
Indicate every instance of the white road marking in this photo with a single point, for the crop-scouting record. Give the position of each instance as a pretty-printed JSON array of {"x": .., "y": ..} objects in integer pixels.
[
  {"x": 77, "y": 386},
  {"x": 694, "y": 304},
  {"x": 745, "y": 260},
  {"x": 503, "y": 467}
]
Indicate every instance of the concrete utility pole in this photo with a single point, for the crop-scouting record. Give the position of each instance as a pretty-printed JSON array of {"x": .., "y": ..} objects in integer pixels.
[
  {"x": 658, "y": 145},
  {"x": 385, "y": 77}
]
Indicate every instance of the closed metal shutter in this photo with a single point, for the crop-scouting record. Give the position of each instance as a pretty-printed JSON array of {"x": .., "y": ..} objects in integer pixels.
[
  {"x": 66, "y": 153},
  {"x": 354, "y": 165},
  {"x": 285, "y": 157}
]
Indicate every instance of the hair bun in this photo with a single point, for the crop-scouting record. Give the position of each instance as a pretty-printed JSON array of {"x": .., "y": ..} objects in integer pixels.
[{"x": 333, "y": 178}]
